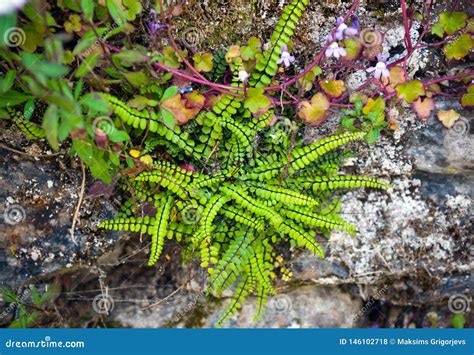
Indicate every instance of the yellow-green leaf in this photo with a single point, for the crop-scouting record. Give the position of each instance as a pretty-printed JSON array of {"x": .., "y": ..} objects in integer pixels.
[
  {"x": 377, "y": 105},
  {"x": 467, "y": 99},
  {"x": 203, "y": 63},
  {"x": 459, "y": 48},
  {"x": 353, "y": 48},
  {"x": 87, "y": 65},
  {"x": 410, "y": 91},
  {"x": 306, "y": 82},
  {"x": 137, "y": 79},
  {"x": 314, "y": 111},
  {"x": 448, "y": 118},
  {"x": 233, "y": 52},
  {"x": 333, "y": 88},
  {"x": 50, "y": 125},
  {"x": 87, "y": 7},
  {"x": 252, "y": 49},
  {"x": 256, "y": 100},
  {"x": 449, "y": 22}
]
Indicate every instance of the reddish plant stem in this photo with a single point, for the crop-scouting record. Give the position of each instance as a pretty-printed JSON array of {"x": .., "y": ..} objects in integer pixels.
[
  {"x": 175, "y": 46},
  {"x": 406, "y": 26},
  {"x": 219, "y": 87},
  {"x": 183, "y": 58},
  {"x": 333, "y": 104},
  {"x": 449, "y": 77}
]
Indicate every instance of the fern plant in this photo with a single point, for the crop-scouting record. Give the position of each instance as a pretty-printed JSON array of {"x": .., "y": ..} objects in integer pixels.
[
  {"x": 247, "y": 191},
  {"x": 253, "y": 185}
]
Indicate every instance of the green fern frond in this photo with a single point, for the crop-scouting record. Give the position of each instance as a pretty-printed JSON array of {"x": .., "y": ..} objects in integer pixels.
[
  {"x": 243, "y": 218},
  {"x": 219, "y": 66},
  {"x": 311, "y": 219},
  {"x": 151, "y": 120},
  {"x": 302, "y": 238},
  {"x": 235, "y": 257},
  {"x": 159, "y": 230},
  {"x": 240, "y": 294},
  {"x": 132, "y": 224},
  {"x": 30, "y": 129},
  {"x": 302, "y": 157},
  {"x": 324, "y": 183},
  {"x": 267, "y": 65},
  {"x": 280, "y": 194},
  {"x": 210, "y": 212}
]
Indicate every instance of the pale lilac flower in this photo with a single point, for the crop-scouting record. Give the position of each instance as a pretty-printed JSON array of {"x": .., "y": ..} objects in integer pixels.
[
  {"x": 243, "y": 75},
  {"x": 351, "y": 31},
  {"x": 335, "y": 51},
  {"x": 344, "y": 31},
  {"x": 285, "y": 57},
  {"x": 380, "y": 70},
  {"x": 7, "y": 6},
  {"x": 382, "y": 57},
  {"x": 341, "y": 27}
]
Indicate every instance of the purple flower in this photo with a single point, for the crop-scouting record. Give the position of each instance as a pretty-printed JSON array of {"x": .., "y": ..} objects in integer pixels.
[
  {"x": 380, "y": 70},
  {"x": 344, "y": 31},
  {"x": 335, "y": 51},
  {"x": 355, "y": 23},
  {"x": 285, "y": 57},
  {"x": 154, "y": 25}
]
